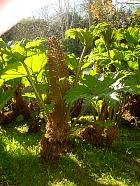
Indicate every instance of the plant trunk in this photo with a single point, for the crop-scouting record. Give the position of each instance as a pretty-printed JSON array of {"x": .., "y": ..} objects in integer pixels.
[
  {"x": 110, "y": 113},
  {"x": 20, "y": 106},
  {"x": 131, "y": 109},
  {"x": 54, "y": 141},
  {"x": 76, "y": 109},
  {"x": 104, "y": 112},
  {"x": 99, "y": 136}
]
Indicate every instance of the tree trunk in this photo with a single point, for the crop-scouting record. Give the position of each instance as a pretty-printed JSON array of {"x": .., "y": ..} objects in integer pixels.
[{"x": 90, "y": 14}]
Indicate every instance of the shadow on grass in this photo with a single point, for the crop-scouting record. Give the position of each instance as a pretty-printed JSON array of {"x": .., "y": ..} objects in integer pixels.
[
  {"x": 121, "y": 161},
  {"x": 22, "y": 137},
  {"x": 28, "y": 170},
  {"x": 83, "y": 166},
  {"x": 19, "y": 169}
]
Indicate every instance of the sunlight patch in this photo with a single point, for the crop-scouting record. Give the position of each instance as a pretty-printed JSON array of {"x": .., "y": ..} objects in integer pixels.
[
  {"x": 22, "y": 129},
  {"x": 17, "y": 148},
  {"x": 108, "y": 179},
  {"x": 64, "y": 182}
]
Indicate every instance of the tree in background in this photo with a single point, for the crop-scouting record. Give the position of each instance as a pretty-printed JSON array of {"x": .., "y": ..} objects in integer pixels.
[
  {"x": 90, "y": 13},
  {"x": 70, "y": 14},
  {"x": 42, "y": 24},
  {"x": 28, "y": 29}
]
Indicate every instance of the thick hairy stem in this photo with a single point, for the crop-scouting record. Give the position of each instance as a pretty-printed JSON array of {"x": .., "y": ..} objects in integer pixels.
[
  {"x": 115, "y": 112},
  {"x": 79, "y": 65},
  {"x": 104, "y": 111},
  {"x": 138, "y": 60},
  {"x": 53, "y": 143},
  {"x": 76, "y": 80},
  {"x": 68, "y": 113},
  {"x": 2, "y": 59},
  {"x": 110, "y": 113},
  {"x": 81, "y": 113},
  {"x": 37, "y": 93},
  {"x": 108, "y": 52},
  {"x": 120, "y": 110}
]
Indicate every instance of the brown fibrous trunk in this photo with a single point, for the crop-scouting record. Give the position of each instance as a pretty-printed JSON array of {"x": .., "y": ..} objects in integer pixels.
[
  {"x": 53, "y": 142},
  {"x": 99, "y": 136},
  {"x": 104, "y": 112}
]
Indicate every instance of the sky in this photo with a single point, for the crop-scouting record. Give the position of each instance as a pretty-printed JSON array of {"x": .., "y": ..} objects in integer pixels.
[
  {"x": 12, "y": 11},
  {"x": 53, "y": 6},
  {"x": 125, "y": 1}
]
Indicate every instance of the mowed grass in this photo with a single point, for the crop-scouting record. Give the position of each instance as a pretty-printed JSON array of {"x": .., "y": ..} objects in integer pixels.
[{"x": 83, "y": 165}]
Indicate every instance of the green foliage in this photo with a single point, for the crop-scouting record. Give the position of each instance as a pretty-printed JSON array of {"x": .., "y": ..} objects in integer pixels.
[
  {"x": 4, "y": 97},
  {"x": 97, "y": 87},
  {"x": 32, "y": 54},
  {"x": 12, "y": 71},
  {"x": 20, "y": 118},
  {"x": 116, "y": 52},
  {"x": 130, "y": 35},
  {"x": 86, "y": 37},
  {"x": 106, "y": 32},
  {"x": 132, "y": 84},
  {"x": 72, "y": 61},
  {"x": 102, "y": 45}
]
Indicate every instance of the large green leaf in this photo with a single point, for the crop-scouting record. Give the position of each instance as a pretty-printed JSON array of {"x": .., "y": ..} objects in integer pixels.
[
  {"x": 18, "y": 51},
  {"x": 36, "y": 62},
  {"x": 85, "y": 36},
  {"x": 134, "y": 35},
  {"x": 97, "y": 86},
  {"x": 4, "y": 97},
  {"x": 106, "y": 32},
  {"x": 131, "y": 83},
  {"x": 130, "y": 36},
  {"x": 34, "y": 44},
  {"x": 131, "y": 79},
  {"x": 12, "y": 71},
  {"x": 72, "y": 61},
  {"x": 11, "y": 66},
  {"x": 2, "y": 44},
  {"x": 12, "y": 74},
  {"x": 77, "y": 92}
]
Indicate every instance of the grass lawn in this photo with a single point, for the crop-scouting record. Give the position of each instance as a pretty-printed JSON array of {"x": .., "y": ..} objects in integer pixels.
[{"x": 84, "y": 165}]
